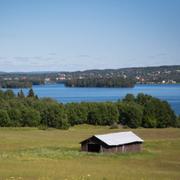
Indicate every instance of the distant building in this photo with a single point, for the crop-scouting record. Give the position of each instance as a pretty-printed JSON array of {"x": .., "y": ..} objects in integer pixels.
[
  {"x": 47, "y": 80},
  {"x": 7, "y": 79},
  {"x": 16, "y": 78},
  {"x": 23, "y": 78},
  {"x": 113, "y": 143},
  {"x": 172, "y": 82},
  {"x": 60, "y": 78}
]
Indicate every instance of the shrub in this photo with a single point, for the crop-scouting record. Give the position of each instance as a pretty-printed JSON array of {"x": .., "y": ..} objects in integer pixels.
[
  {"x": 177, "y": 124},
  {"x": 114, "y": 126},
  {"x": 30, "y": 117},
  {"x": 130, "y": 114},
  {"x": 42, "y": 127},
  {"x": 4, "y": 118},
  {"x": 15, "y": 117}
]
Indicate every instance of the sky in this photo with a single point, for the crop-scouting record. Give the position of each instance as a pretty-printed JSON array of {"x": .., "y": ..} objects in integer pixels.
[{"x": 71, "y": 35}]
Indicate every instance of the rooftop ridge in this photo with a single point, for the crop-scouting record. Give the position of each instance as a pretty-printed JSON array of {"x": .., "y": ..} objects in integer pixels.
[
  {"x": 114, "y": 133},
  {"x": 119, "y": 138}
]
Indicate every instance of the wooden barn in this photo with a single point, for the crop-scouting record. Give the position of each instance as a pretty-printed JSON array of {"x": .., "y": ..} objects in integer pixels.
[{"x": 113, "y": 142}]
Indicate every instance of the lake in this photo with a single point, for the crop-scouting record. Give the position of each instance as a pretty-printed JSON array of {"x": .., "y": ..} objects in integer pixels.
[{"x": 168, "y": 92}]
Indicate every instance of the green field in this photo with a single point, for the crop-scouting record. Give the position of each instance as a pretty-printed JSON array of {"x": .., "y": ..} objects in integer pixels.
[{"x": 29, "y": 153}]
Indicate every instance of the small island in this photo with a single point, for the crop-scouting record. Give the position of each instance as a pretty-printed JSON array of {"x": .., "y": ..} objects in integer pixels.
[
  {"x": 101, "y": 82},
  {"x": 15, "y": 84},
  {"x": 8, "y": 84}
]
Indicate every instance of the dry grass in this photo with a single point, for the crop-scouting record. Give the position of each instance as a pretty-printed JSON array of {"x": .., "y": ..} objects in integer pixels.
[{"x": 27, "y": 153}]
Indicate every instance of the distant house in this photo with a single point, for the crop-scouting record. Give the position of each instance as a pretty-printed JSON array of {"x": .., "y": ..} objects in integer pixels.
[{"x": 113, "y": 142}]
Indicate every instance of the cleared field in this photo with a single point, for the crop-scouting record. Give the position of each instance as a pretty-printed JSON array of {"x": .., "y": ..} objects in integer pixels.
[{"x": 29, "y": 153}]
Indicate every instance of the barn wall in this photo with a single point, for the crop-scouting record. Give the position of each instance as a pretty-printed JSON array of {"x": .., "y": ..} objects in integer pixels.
[
  {"x": 113, "y": 149},
  {"x": 84, "y": 147},
  {"x": 133, "y": 147}
]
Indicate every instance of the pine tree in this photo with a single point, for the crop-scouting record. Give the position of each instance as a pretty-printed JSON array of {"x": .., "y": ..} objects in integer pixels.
[
  {"x": 31, "y": 93},
  {"x": 21, "y": 94},
  {"x": 36, "y": 96}
]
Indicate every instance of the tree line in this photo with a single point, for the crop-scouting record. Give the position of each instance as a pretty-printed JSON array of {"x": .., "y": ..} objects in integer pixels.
[
  {"x": 15, "y": 84},
  {"x": 100, "y": 82},
  {"x": 20, "y": 83},
  {"x": 133, "y": 111}
]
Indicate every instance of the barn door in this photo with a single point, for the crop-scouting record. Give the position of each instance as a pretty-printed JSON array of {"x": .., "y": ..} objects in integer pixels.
[{"x": 93, "y": 148}]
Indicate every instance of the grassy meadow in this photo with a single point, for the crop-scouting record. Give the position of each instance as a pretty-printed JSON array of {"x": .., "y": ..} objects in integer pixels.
[{"x": 29, "y": 153}]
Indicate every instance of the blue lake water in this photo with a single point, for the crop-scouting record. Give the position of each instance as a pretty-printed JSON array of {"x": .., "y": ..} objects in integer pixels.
[{"x": 63, "y": 94}]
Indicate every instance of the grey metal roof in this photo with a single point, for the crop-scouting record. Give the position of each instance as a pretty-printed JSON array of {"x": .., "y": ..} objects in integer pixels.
[{"x": 114, "y": 139}]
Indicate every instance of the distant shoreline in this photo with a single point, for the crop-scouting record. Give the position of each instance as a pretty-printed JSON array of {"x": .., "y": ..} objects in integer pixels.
[
  {"x": 109, "y": 78},
  {"x": 90, "y": 87}
]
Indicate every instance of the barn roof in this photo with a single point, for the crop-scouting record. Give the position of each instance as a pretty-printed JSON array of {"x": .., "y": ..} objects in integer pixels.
[
  {"x": 114, "y": 139},
  {"x": 119, "y": 138}
]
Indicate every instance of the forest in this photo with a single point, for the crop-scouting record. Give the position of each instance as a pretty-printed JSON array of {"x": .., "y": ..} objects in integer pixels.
[
  {"x": 20, "y": 83},
  {"x": 100, "y": 82},
  {"x": 16, "y": 84},
  {"x": 30, "y": 111}
]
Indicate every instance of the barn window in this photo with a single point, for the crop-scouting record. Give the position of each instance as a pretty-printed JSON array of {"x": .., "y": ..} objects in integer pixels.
[{"x": 93, "y": 147}]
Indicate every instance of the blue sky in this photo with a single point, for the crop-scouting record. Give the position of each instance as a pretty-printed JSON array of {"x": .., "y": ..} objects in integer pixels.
[{"x": 69, "y": 35}]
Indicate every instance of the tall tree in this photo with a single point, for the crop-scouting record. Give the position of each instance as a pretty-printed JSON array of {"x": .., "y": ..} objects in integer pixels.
[
  {"x": 21, "y": 94},
  {"x": 31, "y": 93}
]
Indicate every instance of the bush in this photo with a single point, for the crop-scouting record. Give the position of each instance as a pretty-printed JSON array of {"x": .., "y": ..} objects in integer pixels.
[
  {"x": 4, "y": 118},
  {"x": 114, "y": 126},
  {"x": 77, "y": 113},
  {"x": 130, "y": 114},
  {"x": 30, "y": 117},
  {"x": 15, "y": 117},
  {"x": 9, "y": 94},
  {"x": 103, "y": 114},
  {"x": 177, "y": 124},
  {"x": 149, "y": 122},
  {"x": 42, "y": 127},
  {"x": 129, "y": 98}
]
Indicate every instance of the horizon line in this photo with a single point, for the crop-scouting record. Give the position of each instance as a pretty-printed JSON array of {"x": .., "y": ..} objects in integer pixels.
[{"x": 46, "y": 71}]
